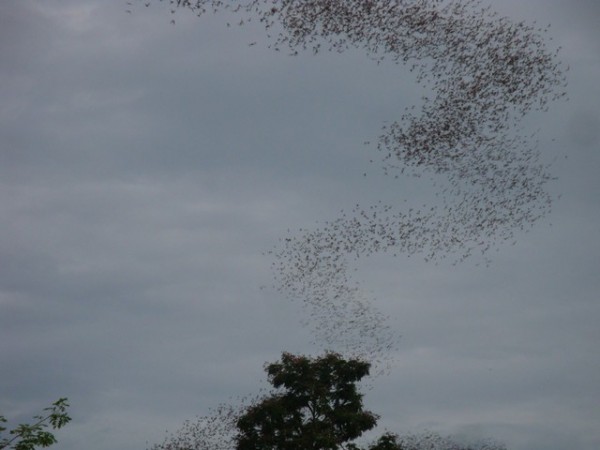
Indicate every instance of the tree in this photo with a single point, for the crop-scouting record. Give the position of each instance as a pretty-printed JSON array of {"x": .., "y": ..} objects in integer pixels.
[
  {"x": 388, "y": 441},
  {"x": 28, "y": 436},
  {"x": 317, "y": 407}
]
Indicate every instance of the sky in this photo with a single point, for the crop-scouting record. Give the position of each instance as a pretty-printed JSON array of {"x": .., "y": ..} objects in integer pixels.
[{"x": 148, "y": 168}]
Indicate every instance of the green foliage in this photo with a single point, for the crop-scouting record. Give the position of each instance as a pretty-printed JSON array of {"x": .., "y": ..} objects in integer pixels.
[
  {"x": 317, "y": 406},
  {"x": 29, "y": 436}
]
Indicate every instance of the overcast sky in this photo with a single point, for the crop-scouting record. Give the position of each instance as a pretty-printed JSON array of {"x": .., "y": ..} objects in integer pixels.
[{"x": 146, "y": 167}]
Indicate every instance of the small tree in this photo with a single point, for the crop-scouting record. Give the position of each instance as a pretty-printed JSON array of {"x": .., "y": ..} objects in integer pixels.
[
  {"x": 388, "y": 441},
  {"x": 28, "y": 436},
  {"x": 318, "y": 406}
]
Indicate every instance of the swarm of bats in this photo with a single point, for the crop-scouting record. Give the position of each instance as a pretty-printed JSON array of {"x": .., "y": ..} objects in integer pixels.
[{"x": 485, "y": 73}]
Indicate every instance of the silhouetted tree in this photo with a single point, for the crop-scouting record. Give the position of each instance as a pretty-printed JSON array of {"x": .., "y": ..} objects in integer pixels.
[
  {"x": 388, "y": 441},
  {"x": 318, "y": 406}
]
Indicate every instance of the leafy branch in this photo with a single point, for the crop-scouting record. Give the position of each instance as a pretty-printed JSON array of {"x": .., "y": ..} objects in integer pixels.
[{"x": 28, "y": 436}]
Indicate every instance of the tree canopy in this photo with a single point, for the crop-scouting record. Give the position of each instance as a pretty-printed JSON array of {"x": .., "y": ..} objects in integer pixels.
[{"x": 318, "y": 406}]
